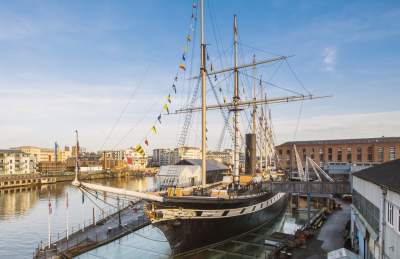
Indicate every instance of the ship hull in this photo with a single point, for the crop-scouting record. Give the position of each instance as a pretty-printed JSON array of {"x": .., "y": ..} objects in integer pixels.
[{"x": 188, "y": 234}]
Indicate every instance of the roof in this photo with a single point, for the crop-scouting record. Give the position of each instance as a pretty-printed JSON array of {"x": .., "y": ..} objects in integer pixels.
[
  {"x": 10, "y": 151},
  {"x": 212, "y": 165},
  {"x": 385, "y": 175},
  {"x": 344, "y": 141}
]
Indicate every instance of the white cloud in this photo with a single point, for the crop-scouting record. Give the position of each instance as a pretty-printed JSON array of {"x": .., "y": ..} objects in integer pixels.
[
  {"x": 330, "y": 58},
  {"x": 356, "y": 125}
]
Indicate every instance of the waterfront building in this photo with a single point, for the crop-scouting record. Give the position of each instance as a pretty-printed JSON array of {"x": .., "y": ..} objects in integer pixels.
[
  {"x": 87, "y": 162},
  {"x": 40, "y": 154},
  {"x": 16, "y": 162},
  {"x": 51, "y": 167},
  {"x": 135, "y": 160},
  {"x": 111, "y": 159},
  {"x": 181, "y": 153},
  {"x": 340, "y": 155},
  {"x": 225, "y": 157},
  {"x": 375, "y": 212},
  {"x": 162, "y": 156}
]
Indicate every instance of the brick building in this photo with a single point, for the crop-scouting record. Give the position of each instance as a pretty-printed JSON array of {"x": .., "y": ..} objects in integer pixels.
[{"x": 356, "y": 152}]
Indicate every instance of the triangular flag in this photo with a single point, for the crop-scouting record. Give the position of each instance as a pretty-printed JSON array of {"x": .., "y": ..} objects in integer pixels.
[
  {"x": 220, "y": 90},
  {"x": 189, "y": 38},
  {"x": 146, "y": 142},
  {"x": 176, "y": 78},
  {"x": 215, "y": 78},
  {"x": 159, "y": 118},
  {"x": 166, "y": 108},
  {"x": 194, "y": 5},
  {"x": 183, "y": 57},
  {"x": 169, "y": 98},
  {"x": 140, "y": 150},
  {"x": 224, "y": 99},
  {"x": 182, "y": 66},
  {"x": 174, "y": 87},
  {"x": 154, "y": 129},
  {"x": 211, "y": 67}
]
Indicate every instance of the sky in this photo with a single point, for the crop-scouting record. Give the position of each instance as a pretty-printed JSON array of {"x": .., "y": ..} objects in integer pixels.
[{"x": 106, "y": 67}]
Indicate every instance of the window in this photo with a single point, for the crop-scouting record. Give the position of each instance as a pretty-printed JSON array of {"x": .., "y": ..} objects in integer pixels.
[
  {"x": 339, "y": 155},
  {"x": 380, "y": 154},
  {"x": 349, "y": 156},
  {"x": 392, "y": 153},
  {"x": 390, "y": 214},
  {"x": 398, "y": 222},
  {"x": 280, "y": 151},
  {"x": 359, "y": 154},
  {"x": 370, "y": 154},
  {"x": 330, "y": 154}
]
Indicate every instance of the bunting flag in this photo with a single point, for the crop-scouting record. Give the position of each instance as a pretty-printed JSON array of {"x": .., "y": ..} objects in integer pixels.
[
  {"x": 154, "y": 129},
  {"x": 220, "y": 90},
  {"x": 182, "y": 66},
  {"x": 169, "y": 98},
  {"x": 194, "y": 5},
  {"x": 146, "y": 142},
  {"x": 215, "y": 78},
  {"x": 224, "y": 99},
  {"x": 174, "y": 87},
  {"x": 166, "y": 108},
  {"x": 211, "y": 67},
  {"x": 208, "y": 57},
  {"x": 83, "y": 198},
  {"x": 176, "y": 78},
  {"x": 183, "y": 57},
  {"x": 159, "y": 118},
  {"x": 140, "y": 150},
  {"x": 189, "y": 38}
]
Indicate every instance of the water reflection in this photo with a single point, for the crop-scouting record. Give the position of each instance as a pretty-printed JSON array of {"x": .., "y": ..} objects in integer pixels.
[{"x": 24, "y": 212}]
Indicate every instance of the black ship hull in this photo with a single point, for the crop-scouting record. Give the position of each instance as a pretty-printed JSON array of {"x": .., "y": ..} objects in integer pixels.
[{"x": 192, "y": 233}]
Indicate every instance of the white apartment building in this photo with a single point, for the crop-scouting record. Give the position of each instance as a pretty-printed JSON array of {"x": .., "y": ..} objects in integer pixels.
[
  {"x": 162, "y": 156},
  {"x": 16, "y": 162},
  {"x": 375, "y": 212},
  {"x": 40, "y": 154},
  {"x": 181, "y": 153},
  {"x": 225, "y": 157}
]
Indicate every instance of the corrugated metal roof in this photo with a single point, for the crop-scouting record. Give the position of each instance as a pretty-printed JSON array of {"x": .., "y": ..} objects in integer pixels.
[
  {"x": 344, "y": 141},
  {"x": 212, "y": 165},
  {"x": 385, "y": 175}
]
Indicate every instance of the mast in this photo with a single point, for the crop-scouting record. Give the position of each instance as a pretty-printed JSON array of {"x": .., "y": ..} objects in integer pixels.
[
  {"x": 236, "y": 99},
  {"x": 76, "y": 157},
  {"x": 203, "y": 97},
  {"x": 254, "y": 95}
]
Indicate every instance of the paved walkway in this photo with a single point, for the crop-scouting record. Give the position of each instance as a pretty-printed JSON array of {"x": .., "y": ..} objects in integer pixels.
[
  {"x": 103, "y": 232},
  {"x": 329, "y": 237}
]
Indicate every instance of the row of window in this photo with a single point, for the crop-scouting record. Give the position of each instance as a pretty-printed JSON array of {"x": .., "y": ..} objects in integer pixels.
[{"x": 340, "y": 158}]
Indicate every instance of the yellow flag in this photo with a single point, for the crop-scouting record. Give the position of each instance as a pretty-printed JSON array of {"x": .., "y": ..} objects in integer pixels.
[
  {"x": 154, "y": 129},
  {"x": 140, "y": 150},
  {"x": 166, "y": 108},
  {"x": 182, "y": 66},
  {"x": 169, "y": 98}
]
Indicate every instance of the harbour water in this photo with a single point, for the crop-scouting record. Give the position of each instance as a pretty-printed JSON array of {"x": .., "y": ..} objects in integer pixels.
[
  {"x": 24, "y": 221},
  {"x": 24, "y": 213}
]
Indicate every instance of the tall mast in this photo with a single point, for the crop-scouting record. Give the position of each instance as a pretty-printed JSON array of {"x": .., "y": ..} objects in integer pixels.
[
  {"x": 254, "y": 95},
  {"x": 76, "y": 157},
  {"x": 203, "y": 97},
  {"x": 236, "y": 99}
]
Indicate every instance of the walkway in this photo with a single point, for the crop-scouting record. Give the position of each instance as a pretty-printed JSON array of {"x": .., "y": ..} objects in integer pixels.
[
  {"x": 329, "y": 237},
  {"x": 103, "y": 232}
]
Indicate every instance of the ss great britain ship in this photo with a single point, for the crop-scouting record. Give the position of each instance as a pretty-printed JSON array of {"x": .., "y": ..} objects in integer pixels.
[{"x": 195, "y": 216}]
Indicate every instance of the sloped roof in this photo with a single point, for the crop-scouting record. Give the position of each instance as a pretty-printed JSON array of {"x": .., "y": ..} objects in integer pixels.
[
  {"x": 212, "y": 165},
  {"x": 343, "y": 141},
  {"x": 386, "y": 175}
]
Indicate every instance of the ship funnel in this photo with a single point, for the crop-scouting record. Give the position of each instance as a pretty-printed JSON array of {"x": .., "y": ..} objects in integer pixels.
[{"x": 250, "y": 154}]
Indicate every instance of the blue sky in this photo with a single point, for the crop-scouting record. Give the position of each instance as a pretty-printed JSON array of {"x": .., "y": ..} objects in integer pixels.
[{"x": 68, "y": 65}]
